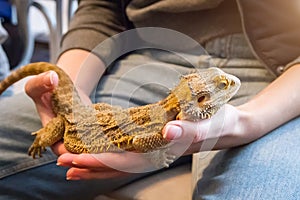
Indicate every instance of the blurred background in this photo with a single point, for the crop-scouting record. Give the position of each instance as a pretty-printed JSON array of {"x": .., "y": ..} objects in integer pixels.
[
  {"x": 33, "y": 30},
  {"x": 38, "y": 27}
]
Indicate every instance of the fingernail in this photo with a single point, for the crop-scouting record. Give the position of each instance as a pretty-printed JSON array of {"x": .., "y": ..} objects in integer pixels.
[
  {"x": 52, "y": 76},
  {"x": 73, "y": 178},
  {"x": 48, "y": 80},
  {"x": 74, "y": 163},
  {"x": 172, "y": 132},
  {"x": 59, "y": 164}
]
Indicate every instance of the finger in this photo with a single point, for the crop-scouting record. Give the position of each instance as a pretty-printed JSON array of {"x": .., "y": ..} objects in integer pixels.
[
  {"x": 93, "y": 170},
  {"x": 86, "y": 174},
  {"x": 119, "y": 161},
  {"x": 127, "y": 161},
  {"x": 41, "y": 84},
  {"x": 59, "y": 148},
  {"x": 79, "y": 161},
  {"x": 65, "y": 160},
  {"x": 87, "y": 161}
]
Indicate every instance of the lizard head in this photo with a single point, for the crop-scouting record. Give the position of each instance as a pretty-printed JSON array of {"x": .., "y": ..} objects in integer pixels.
[{"x": 201, "y": 94}]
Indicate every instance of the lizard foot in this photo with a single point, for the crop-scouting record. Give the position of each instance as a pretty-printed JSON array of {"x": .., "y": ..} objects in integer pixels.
[
  {"x": 47, "y": 136},
  {"x": 36, "y": 150},
  {"x": 160, "y": 158}
]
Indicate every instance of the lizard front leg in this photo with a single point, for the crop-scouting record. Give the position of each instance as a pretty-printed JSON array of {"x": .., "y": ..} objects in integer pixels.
[
  {"x": 155, "y": 148},
  {"x": 47, "y": 136}
]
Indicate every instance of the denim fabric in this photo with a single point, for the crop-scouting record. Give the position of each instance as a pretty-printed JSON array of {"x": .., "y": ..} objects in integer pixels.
[{"x": 268, "y": 168}]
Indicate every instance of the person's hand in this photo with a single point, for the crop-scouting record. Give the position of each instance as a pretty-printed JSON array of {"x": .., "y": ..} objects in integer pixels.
[
  {"x": 103, "y": 165},
  {"x": 229, "y": 127},
  {"x": 40, "y": 88}
]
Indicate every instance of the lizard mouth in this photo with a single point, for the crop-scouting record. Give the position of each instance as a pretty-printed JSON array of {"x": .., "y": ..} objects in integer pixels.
[
  {"x": 207, "y": 112},
  {"x": 197, "y": 114}
]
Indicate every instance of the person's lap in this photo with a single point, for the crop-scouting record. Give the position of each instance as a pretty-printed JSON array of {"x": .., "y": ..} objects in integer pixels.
[{"x": 268, "y": 168}]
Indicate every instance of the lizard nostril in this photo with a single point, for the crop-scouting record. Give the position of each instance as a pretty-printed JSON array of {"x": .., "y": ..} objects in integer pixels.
[
  {"x": 200, "y": 99},
  {"x": 232, "y": 83}
]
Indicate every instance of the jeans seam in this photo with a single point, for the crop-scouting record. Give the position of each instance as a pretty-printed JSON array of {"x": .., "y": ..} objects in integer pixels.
[{"x": 15, "y": 168}]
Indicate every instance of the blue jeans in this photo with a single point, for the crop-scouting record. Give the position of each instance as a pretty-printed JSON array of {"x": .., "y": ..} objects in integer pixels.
[{"x": 268, "y": 168}]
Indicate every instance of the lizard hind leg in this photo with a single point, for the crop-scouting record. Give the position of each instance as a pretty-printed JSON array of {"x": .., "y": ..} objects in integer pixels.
[{"x": 47, "y": 136}]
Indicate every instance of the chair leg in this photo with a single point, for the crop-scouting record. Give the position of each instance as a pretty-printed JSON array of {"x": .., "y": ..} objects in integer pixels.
[
  {"x": 21, "y": 9},
  {"x": 55, "y": 26}
]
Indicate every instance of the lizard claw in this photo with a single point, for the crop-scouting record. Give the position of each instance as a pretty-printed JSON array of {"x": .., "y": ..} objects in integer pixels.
[
  {"x": 36, "y": 150},
  {"x": 168, "y": 159}
]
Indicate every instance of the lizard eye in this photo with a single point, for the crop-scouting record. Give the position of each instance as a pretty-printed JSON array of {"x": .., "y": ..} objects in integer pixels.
[
  {"x": 223, "y": 85},
  {"x": 222, "y": 82}
]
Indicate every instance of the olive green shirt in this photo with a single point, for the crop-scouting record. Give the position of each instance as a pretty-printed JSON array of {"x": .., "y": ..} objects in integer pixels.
[{"x": 271, "y": 27}]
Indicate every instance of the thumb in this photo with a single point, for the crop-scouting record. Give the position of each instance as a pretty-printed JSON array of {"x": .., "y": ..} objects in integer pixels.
[
  {"x": 41, "y": 84},
  {"x": 179, "y": 130},
  {"x": 40, "y": 90}
]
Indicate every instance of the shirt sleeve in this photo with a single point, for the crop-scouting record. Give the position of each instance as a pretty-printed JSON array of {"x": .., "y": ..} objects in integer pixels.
[{"x": 93, "y": 22}]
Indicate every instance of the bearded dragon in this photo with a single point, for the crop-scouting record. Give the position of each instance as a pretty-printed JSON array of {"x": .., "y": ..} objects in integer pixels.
[{"x": 102, "y": 127}]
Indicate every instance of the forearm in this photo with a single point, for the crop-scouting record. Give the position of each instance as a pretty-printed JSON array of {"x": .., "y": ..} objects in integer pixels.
[
  {"x": 272, "y": 107},
  {"x": 93, "y": 22},
  {"x": 84, "y": 68}
]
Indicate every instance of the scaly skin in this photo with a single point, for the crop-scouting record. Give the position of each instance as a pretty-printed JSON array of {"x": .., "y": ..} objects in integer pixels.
[{"x": 104, "y": 128}]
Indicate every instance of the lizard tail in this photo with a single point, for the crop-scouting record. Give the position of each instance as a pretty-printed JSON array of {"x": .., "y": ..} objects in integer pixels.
[{"x": 28, "y": 70}]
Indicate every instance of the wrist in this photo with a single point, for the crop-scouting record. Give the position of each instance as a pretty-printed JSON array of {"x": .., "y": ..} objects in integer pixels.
[
  {"x": 238, "y": 128},
  {"x": 83, "y": 67},
  {"x": 249, "y": 128}
]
